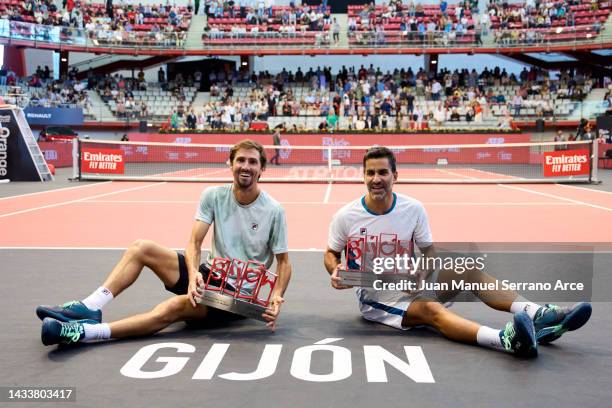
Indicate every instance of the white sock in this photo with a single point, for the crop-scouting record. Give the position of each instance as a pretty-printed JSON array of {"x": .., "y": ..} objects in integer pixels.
[
  {"x": 489, "y": 337},
  {"x": 521, "y": 304},
  {"x": 98, "y": 299},
  {"x": 94, "y": 332}
]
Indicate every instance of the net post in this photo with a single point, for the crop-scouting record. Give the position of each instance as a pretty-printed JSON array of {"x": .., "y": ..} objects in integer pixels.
[
  {"x": 79, "y": 154},
  {"x": 76, "y": 173},
  {"x": 329, "y": 159},
  {"x": 594, "y": 161}
]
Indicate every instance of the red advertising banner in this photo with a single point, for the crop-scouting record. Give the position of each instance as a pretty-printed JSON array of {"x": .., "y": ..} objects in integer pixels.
[
  {"x": 102, "y": 161},
  {"x": 429, "y": 153},
  {"x": 58, "y": 154},
  {"x": 336, "y": 139},
  {"x": 566, "y": 163}
]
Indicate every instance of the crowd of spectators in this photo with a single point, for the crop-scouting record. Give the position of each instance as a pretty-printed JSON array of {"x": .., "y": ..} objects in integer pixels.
[
  {"x": 41, "y": 90},
  {"x": 398, "y": 22},
  {"x": 260, "y": 20},
  {"x": 392, "y": 22},
  {"x": 131, "y": 23},
  {"x": 536, "y": 21},
  {"x": 119, "y": 93},
  {"x": 369, "y": 98}
]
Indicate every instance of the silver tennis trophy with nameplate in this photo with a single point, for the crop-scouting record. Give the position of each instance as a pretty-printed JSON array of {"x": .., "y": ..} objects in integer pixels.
[
  {"x": 372, "y": 258},
  {"x": 239, "y": 287}
]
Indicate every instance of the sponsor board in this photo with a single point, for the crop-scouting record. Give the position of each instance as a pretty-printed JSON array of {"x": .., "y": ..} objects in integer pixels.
[
  {"x": 102, "y": 161},
  {"x": 57, "y": 154},
  {"x": 54, "y": 116},
  {"x": 566, "y": 163}
]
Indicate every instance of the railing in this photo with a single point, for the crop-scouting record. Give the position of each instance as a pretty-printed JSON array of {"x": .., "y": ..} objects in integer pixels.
[
  {"x": 276, "y": 39},
  {"x": 21, "y": 31},
  {"x": 16, "y": 32},
  {"x": 565, "y": 36}
]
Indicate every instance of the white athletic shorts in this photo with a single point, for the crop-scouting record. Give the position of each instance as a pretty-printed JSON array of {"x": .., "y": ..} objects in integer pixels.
[{"x": 391, "y": 313}]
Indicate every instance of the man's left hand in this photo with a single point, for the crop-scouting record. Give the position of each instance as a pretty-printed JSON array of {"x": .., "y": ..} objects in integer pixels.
[{"x": 272, "y": 312}]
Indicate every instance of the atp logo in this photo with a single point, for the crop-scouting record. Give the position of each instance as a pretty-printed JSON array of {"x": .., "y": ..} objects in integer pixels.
[{"x": 286, "y": 152}]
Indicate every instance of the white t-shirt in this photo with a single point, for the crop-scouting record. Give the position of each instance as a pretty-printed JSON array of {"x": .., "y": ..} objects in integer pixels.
[{"x": 406, "y": 218}]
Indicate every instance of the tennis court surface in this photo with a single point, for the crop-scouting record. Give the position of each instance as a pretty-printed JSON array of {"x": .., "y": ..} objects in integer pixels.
[{"x": 59, "y": 245}]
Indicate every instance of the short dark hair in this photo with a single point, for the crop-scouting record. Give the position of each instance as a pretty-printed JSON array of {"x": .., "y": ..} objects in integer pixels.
[
  {"x": 249, "y": 144},
  {"x": 380, "y": 152}
]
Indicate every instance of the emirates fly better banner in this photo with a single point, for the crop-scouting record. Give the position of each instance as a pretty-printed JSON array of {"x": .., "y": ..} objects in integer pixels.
[
  {"x": 566, "y": 163},
  {"x": 102, "y": 161}
]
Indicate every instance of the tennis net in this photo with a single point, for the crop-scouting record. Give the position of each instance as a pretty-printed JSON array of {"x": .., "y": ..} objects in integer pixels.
[{"x": 553, "y": 162}]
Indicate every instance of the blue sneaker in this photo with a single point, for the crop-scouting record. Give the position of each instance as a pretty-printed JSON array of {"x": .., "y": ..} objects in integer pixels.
[
  {"x": 56, "y": 332},
  {"x": 519, "y": 336},
  {"x": 69, "y": 312},
  {"x": 552, "y": 321}
]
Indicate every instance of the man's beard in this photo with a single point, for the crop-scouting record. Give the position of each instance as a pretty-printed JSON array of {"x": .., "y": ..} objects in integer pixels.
[{"x": 245, "y": 183}]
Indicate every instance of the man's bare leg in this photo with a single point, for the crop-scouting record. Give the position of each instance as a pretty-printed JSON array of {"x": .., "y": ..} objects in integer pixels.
[
  {"x": 175, "y": 309},
  {"x": 450, "y": 324},
  {"x": 161, "y": 260},
  {"x": 518, "y": 337},
  {"x": 497, "y": 299}
]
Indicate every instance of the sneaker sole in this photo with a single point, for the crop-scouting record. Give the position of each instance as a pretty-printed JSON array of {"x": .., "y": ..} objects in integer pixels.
[
  {"x": 573, "y": 321},
  {"x": 43, "y": 312},
  {"x": 46, "y": 327},
  {"x": 524, "y": 321}
]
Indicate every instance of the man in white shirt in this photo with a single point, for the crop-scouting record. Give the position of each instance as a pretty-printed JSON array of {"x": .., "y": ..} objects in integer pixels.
[{"x": 381, "y": 211}]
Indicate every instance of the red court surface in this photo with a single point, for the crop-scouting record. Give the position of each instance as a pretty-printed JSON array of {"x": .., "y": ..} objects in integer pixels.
[{"x": 113, "y": 214}]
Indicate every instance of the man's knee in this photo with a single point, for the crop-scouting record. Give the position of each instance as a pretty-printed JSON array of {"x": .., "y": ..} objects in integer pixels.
[
  {"x": 172, "y": 310},
  {"x": 143, "y": 249},
  {"x": 423, "y": 312}
]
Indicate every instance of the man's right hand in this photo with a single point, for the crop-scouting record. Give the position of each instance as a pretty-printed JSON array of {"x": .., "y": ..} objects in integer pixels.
[
  {"x": 335, "y": 280},
  {"x": 195, "y": 289}
]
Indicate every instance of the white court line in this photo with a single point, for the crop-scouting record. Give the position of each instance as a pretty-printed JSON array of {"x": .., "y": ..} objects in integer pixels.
[
  {"x": 57, "y": 189},
  {"x": 327, "y": 193},
  {"x": 79, "y": 200},
  {"x": 139, "y": 202},
  {"x": 599, "y": 207},
  {"x": 124, "y": 248},
  {"x": 500, "y": 175},
  {"x": 434, "y": 203},
  {"x": 584, "y": 188},
  {"x": 452, "y": 173}
]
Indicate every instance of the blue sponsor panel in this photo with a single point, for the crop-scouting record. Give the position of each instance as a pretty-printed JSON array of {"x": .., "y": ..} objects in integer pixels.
[{"x": 54, "y": 116}]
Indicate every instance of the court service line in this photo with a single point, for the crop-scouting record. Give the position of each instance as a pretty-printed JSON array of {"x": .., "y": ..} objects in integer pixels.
[
  {"x": 57, "y": 189},
  {"x": 79, "y": 200},
  {"x": 452, "y": 173},
  {"x": 327, "y": 193},
  {"x": 584, "y": 188},
  {"x": 555, "y": 196},
  {"x": 433, "y": 203},
  {"x": 46, "y": 248}
]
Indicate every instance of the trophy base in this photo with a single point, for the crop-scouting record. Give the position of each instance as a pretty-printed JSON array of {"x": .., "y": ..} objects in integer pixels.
[
  {"x": 232, "y": 305},
  {"x": 365, "y": 279}
]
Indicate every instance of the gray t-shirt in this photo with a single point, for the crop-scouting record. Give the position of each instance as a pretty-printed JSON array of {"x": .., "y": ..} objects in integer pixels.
[{"x": 257, "y": 231}]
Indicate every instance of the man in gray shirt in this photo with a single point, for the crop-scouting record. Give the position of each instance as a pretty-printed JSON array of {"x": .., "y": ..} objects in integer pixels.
[{"x": 248, "y": 224}]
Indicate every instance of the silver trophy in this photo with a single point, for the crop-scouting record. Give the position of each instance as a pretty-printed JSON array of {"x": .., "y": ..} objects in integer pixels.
[{"x": 242, "y": 288}]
